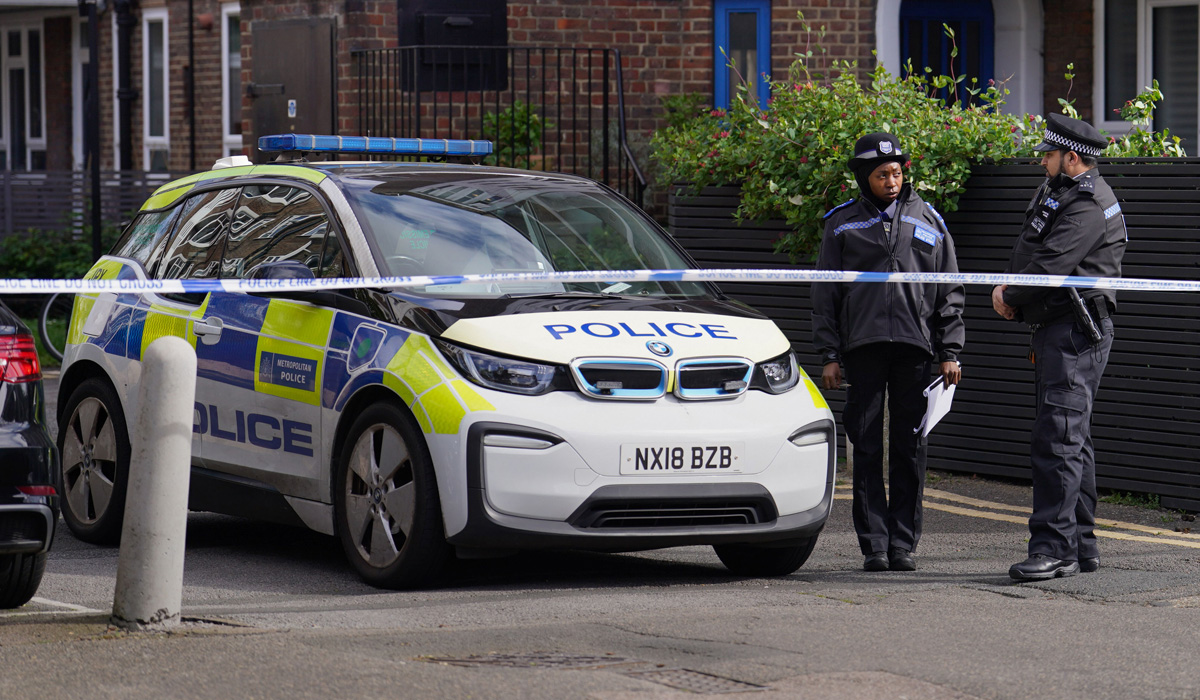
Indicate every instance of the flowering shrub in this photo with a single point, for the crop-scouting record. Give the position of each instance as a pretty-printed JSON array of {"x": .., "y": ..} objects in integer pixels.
[{"x": 791, "y": 158}]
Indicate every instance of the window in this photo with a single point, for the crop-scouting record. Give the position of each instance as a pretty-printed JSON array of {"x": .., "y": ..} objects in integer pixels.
[
  {"x": 195, "y": 252},
  {"x": 231, "y": 78},
  {"x": 924, "y": 43},
  {"x": 1139, "y": 41},
  {"x": 156, "y": 136},
  {"x": 80, "y": 87},
  {"x": 23, "y": 137},
  {"x": 143, "y": 240},
  {"x": 743, "y": 38},
  {"x": 275, "y": 223}
]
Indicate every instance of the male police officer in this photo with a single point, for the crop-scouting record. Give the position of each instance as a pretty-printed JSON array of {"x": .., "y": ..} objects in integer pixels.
[
  {"x": 886, "y": 336},
  {"x": 1073, "y": 226}
]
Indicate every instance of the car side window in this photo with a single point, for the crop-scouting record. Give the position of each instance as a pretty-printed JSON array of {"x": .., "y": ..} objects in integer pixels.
[
  {"x": 333, "y": 261},
  {"x": 195, "y": 252},
  {"x": 145, "y": 234},
  {"x": 274, "y": 223}
]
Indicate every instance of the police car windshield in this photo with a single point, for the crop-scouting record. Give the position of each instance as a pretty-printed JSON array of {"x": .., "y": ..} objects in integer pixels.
[{"x": 455, "y": 223}]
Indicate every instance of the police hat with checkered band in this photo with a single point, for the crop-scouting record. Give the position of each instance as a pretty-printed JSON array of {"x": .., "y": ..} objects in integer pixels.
[
  {"x": 1067, "y": 134},
  {"x": 876, "y": 149}
]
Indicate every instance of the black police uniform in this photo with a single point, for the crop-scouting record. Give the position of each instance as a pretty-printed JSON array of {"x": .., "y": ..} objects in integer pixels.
[
  {"x": 885, "y": 336},
  {"x": 1073, "y": 226}
]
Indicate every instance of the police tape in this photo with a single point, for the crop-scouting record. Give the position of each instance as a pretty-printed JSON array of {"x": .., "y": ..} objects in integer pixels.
[{"x": 610, "y": 277}]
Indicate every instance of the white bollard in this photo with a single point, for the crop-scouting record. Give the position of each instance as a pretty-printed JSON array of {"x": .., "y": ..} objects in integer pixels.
[{"x": 150, "y": 563}]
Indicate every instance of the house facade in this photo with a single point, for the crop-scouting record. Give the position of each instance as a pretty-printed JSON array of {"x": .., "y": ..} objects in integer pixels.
[{"x": 205, "y": 76}]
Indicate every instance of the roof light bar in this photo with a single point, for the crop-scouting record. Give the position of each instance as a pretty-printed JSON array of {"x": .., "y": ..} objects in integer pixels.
[{"x": 374, "y": 144}]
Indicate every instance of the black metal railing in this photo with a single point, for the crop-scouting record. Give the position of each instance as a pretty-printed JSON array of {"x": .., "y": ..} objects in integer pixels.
[{"x": 554, "y": 109}]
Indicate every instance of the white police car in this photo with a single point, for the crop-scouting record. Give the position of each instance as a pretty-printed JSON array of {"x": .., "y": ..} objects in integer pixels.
[{"x": 454, "y": 417}]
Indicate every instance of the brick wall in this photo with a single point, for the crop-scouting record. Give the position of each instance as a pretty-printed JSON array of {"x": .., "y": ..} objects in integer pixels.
[
  {"x": 1068, "y": 39},
  {"x": 666, "y": 45}
]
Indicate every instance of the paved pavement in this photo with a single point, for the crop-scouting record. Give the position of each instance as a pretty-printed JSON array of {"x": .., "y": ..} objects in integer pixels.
[{"x": 274, "y": 612}]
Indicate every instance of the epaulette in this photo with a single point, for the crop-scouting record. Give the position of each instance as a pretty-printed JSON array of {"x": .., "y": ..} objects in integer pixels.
[
  {"x": 937, "y": 216},
  {"x": 1087, "y": 185},
  {"x": 843, "y": 205}
]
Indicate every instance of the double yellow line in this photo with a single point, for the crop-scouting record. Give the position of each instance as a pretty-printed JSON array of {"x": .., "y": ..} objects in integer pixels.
[{"x": 990, "y": 510}]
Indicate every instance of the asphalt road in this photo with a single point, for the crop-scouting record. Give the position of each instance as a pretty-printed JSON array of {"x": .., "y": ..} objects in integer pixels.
[{"x": 275, "y": 612}]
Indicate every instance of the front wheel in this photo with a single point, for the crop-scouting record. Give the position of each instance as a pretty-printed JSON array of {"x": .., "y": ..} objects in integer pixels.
[
  {"x": 20, "y": 575},
  {"x": 386, "y": 506},
  {"x": 94, "y": 446},
  {"x": 752, "y": 560}
]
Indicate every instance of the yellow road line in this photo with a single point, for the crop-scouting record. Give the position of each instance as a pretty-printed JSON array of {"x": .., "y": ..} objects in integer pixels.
[{"x": 1160, "y": 536}]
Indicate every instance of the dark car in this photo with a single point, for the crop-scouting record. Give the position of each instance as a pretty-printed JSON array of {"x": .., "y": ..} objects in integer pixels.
[{"x": 28, "y": 465}]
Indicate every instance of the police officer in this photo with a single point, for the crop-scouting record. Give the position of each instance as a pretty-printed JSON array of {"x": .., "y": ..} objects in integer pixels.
[
  {"x": 1073, "y": 226},
  {"x": 885, "y": 337}
]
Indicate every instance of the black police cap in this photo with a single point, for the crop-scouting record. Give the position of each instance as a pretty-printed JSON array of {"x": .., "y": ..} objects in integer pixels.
[
  {"x": 876, "y": 149},
  {"x": 1065, "y": 133}
]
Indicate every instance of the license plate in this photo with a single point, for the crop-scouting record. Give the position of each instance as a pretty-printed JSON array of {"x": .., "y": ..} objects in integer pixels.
[{"x": 656, "y": 459}]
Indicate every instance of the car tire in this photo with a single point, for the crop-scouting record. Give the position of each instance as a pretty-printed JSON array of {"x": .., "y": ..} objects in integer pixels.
[
  {"x": 386, "y": 505},
  {"x": 94, "y": 447},
  {"x": 20, "y": 575},
  {"x": 754, "y": 560}
]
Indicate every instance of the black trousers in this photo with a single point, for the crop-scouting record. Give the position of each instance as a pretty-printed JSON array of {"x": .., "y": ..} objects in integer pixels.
[
  {"x": 892, "y": 518},
  {"x": 1067, "y": 373}
]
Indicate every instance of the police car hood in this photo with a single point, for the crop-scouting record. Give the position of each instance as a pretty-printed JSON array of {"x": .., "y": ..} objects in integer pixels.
[{"x": 562, "y": 336}]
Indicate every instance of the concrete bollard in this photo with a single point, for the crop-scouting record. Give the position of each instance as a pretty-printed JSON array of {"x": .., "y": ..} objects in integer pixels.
[{"x": 150, "y": 563}]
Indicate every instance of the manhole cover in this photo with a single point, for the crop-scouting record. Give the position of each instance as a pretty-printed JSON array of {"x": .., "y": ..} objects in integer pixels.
[
  {"x": 696, "y": 682},
  {"x": 535, "y": 659}
]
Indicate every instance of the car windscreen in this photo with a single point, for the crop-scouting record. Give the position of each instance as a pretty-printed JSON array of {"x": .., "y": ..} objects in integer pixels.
[{"x": 453, "y": 223}]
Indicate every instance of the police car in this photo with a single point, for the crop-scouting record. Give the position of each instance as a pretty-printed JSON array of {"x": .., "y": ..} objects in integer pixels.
[{"x": 460, "y": 417}]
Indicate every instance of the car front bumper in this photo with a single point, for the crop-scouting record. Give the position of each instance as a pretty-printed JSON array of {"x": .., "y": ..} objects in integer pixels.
[{"x": 571, "y": 494}]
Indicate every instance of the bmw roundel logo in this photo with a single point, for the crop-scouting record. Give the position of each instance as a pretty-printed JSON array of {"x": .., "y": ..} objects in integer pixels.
[{"x": 659, "y": 348}]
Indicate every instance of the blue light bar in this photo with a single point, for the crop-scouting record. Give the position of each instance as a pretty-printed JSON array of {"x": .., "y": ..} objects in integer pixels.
[{"x": 374, "y": 144}]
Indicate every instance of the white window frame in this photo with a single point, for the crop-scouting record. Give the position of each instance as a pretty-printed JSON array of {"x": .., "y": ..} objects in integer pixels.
[
  {"x": 116, "y": 102},
  {"x": 80, "y": 59},
  {"x": 161, "y": 142},
  {"x": 233, "y": 144},
  {"x": 23, "y": 24},
  {"x": 1144, "y": 70}
]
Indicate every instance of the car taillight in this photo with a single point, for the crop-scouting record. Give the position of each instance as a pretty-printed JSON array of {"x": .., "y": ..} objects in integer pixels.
[
  {"x": 19, "y": 359},
  {"x": 37, "y": 490}
]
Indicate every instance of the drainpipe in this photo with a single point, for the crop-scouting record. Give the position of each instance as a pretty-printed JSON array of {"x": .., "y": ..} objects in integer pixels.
[
  {"x": 91, "y": 137},
  {"x": 126, "y": 94},
  {"x": 191, "y": 86}
]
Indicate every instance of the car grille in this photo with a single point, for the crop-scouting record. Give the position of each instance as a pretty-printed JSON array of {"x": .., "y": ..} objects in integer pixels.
[
  {"x": 620, "y": 378},
  {"x": 712, "y": 378},
  {"x": 674, "y": 513}
]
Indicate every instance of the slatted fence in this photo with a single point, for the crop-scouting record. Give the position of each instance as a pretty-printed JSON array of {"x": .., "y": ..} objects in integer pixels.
[
  {"x": 1146, "y": 426},
  {"x": 56, "y": 200}
]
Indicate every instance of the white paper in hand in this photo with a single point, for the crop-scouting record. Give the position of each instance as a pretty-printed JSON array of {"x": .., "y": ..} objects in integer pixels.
[{"x": 938, "y": 399}]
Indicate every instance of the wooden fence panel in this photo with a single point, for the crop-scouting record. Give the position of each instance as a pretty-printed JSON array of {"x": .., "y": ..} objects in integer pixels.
[{"x": 1147, "y": 414}]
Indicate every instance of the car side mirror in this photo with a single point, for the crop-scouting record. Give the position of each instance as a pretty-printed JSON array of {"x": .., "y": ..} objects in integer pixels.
[{"x": 281, "y": 270}]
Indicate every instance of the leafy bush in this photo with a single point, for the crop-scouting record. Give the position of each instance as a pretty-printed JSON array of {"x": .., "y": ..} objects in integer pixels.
[
  {"x": 516, "y": 134},
  {"x": 791, "y": 159},
  {"x": 63, "y": 254}
]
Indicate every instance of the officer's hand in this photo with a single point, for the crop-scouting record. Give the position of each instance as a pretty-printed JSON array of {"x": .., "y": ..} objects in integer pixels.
[
  {"x": 951, "y": 372},
  {"x": 999, "y": 305},
  {"x": 831, "y": 376}
]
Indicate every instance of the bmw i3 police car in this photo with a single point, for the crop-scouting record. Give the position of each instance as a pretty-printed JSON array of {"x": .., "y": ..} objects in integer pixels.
[{"x": 455, "y": 417}]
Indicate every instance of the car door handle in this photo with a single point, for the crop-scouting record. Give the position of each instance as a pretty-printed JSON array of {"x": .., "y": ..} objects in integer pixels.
[{"x": 209, "y": 330}]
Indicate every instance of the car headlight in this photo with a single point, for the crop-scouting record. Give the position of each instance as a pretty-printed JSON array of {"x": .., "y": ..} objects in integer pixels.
[
  {"x": 778, "y": 374},
  {"x": 502, "y": 373}
]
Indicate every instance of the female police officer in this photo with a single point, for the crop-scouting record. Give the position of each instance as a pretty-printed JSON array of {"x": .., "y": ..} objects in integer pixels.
[{"x": 884, "y": 337}]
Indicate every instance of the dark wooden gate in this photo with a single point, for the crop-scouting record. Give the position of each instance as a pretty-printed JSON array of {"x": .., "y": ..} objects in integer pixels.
[{"x": 1147, "y": 416}]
